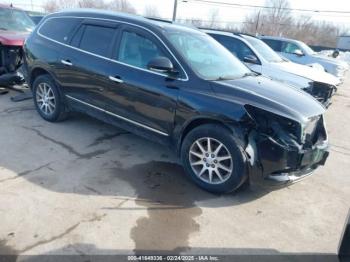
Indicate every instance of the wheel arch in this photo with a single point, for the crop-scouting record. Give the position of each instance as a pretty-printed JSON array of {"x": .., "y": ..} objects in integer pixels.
[
  {"x": 36, "y": 72},
  {"x": 233, "y": 127}
]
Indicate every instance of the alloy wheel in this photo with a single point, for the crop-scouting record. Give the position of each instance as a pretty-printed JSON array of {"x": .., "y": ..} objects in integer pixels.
[
  {"x": 210, "y": 160},
  {"x": 45, "y": 99}
]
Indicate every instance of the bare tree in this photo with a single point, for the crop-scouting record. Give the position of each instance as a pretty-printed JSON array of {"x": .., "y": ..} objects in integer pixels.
[
  {"x": 92, "y": 4},
  {"x": 56, "y": 5},
  {"x": 117, "y": 5},
  {"x": 273, "y": 20},
  {"x": 278, "y": 17},
  {"x": 122, "y": 6},
  {"x": 279, "y": 21},
  {"x": 213, "y": 18},
  {"x": 151, "y": 11},
  {"x": 50, "y": 6}
]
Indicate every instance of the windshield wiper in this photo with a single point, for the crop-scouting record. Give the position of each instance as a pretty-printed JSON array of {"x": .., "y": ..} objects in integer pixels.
[
  {"x": 223, "y": 78},
  {"x": 250, "y": 74}
]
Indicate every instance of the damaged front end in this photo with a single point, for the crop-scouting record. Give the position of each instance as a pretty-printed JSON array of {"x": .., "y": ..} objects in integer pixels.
[
  {"x": 11, "y": 58},
  {"x": 285, "y": 150},
  {"x": 323, "y": 92}
]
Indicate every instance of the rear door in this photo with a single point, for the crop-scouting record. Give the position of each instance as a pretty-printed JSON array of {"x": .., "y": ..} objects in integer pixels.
[{"x": 87, "y": 64}]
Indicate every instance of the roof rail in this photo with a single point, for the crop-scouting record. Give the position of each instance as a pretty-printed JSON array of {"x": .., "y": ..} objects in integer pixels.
[
  {"x": 213, "y": 29},
  {"x": 159, "y": 19},
  {"x": 246, "y": 34}
]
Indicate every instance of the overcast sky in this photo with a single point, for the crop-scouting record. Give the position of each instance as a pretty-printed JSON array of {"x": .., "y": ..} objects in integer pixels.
[{"x": 226, "y": 13}]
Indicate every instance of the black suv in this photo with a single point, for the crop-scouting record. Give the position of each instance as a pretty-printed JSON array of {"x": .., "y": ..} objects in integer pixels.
[{"x": 177, "y": 86}]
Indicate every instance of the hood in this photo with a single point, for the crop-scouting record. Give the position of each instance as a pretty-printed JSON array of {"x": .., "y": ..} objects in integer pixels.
[
  {"x": 272, "y": 96},
  {"x": 329, "y": 60},
  {"x": 307, "y": 72},
  {"x": 13, "y": 38}
]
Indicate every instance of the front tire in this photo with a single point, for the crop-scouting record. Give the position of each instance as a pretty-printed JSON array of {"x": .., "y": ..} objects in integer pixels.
[
  {"x": 213, "y": 159},
  {"x": 48, "y": 100}
]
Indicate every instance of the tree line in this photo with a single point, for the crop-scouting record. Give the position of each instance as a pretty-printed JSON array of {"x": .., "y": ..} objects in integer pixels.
[{"x": 278, "y": 20}]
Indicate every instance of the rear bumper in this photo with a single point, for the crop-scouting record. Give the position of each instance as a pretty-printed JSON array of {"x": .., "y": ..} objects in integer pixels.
[{"x": 282, "y": 165}]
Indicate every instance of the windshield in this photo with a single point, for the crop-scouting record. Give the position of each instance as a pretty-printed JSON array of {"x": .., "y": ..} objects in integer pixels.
[
  {"x": 264, "y": 50},
  {"x": 305, "y": 48},
  {"x": 206, "y": 57},
  {"x": 15, "y": 20}
]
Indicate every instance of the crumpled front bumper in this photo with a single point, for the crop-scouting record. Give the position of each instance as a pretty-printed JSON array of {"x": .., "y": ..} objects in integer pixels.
[{"x": 283, "y": 165}]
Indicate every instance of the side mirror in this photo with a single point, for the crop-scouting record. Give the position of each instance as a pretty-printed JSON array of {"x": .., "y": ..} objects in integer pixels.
[
  {"x": 251, "y": 59},
  {"x": 298, "y": 52},
  {"x": 161, "y": 65}
]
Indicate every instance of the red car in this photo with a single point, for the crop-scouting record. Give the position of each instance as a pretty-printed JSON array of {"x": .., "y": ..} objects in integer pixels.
[{"x": 15, "y": 26}]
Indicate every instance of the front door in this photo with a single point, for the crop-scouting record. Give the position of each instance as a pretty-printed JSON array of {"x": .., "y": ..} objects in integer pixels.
[{"x": 150, "y": 97}]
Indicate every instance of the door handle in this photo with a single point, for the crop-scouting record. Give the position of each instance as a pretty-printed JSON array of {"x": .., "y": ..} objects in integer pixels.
[
  {"x": 115, "y": 79},
  {"x": 66, "y": 62}
]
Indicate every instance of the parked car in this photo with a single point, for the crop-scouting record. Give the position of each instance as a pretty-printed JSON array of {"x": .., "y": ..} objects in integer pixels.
[
  {"x": 36, "y": 18},
  {"x": 179, "y": 87},
  {"x": 260, "y": 58},
  {"x": 15, "y": 26},
  {"x": 301, "y": 53}
]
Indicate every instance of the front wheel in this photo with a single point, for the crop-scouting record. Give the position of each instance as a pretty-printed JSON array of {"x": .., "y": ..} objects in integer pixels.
[{"x": 213, "y": 160}]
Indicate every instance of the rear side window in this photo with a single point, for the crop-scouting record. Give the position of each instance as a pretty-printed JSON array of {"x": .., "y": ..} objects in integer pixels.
[
  {"x": 96, "y": 39},
  {"x": 59, "y": 29}
]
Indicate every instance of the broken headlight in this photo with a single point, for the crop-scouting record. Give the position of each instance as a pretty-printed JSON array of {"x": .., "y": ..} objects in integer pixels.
[{"x": 278, "y": 127}]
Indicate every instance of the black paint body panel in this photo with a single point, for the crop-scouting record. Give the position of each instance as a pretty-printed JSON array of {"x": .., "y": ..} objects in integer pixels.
[{"x": 156, "y": 106}]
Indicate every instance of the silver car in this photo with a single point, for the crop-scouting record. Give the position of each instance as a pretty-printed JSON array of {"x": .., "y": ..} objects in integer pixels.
[{"x": 301, "y": 53}]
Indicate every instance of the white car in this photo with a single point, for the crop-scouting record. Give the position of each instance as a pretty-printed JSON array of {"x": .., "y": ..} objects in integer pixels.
[
  {"x": 261, "y": 59},
  {"x": 301, "y": 53}
]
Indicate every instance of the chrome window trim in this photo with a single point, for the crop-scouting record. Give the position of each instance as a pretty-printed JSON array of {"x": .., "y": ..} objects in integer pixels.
[
  {"x": 106, "y": 58},
  {"x": 118, "y": 116}
]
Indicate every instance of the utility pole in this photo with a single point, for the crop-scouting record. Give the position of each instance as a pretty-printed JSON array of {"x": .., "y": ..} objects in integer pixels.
[
  {"x": 257, "y": 24},
  {"x": 175, "y": 10}
]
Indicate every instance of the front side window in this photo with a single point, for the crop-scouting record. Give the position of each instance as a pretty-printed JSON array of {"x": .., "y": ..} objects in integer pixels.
[
  {"x": 264, "y": 50},
  {"x": 15, "y": 20},
  {"x": 137, "y": 50},
  {"x": 209, "y": 59},
  {"x": 235, "y": 46},
  {"x": 306, "y": 49},
  {"x": 289, "y": 48},
  {"x": 59, "y": 29},
  {"x": 97, "y": 40}
]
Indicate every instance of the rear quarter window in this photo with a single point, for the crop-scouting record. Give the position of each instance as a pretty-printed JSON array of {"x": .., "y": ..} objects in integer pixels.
[{"x": 59, "y": 29}]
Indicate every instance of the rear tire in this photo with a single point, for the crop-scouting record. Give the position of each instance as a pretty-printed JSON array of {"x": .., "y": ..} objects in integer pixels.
[
  {"x": 48, "y": 100},
  {"x": 218, "y": 168}
]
